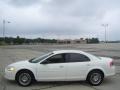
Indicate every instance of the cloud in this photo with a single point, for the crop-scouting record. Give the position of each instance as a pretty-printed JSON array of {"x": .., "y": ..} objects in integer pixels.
[
  {"x": 22, "y": 3},
  {"x": 64, "y": 18}
]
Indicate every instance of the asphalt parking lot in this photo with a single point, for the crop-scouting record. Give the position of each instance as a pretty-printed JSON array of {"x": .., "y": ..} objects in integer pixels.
[{"x": 10, "y": 54}]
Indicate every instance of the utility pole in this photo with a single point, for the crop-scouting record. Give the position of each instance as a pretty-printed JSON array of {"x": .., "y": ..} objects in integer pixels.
[
  {"x": 105, "y": 28},
  {"x": 4, "y": 28}
]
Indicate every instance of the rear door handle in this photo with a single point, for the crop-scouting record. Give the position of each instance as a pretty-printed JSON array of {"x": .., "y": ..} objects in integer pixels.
[
  {"x": 88, "y": 64},
  {"x": 61, "y": 66}
]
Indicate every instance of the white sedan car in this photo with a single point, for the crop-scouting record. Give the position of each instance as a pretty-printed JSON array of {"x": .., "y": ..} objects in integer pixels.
[{"x": 61, "y": 65}]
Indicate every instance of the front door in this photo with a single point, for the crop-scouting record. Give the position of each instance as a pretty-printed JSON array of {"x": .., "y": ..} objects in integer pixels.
[{"x": 52, "y": 69}]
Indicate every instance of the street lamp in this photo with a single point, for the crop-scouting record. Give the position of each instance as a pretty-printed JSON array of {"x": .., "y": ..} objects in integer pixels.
[
  {"x": 105, "y": 27},
  {"x": 4, "y": 27}
]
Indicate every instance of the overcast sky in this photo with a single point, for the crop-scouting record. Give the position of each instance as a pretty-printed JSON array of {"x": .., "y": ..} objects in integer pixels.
[{"x": 61, "y": 18}]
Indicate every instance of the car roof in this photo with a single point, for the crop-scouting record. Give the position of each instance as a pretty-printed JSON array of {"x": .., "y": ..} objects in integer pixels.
[
  {"x": 67, "y": 51},
  {"x": 76, "y": 51}
]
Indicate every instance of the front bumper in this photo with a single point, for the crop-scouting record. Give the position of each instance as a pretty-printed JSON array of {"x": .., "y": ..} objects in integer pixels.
[{"x": 10, "y": 75}]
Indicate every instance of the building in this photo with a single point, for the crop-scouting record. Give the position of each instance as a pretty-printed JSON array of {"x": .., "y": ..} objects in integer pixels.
[
  {"x": 75, "y": 41},
  {"x": 64, "y": 41}
]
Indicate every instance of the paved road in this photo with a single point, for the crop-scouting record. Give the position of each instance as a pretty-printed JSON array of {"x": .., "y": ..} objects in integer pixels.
[{"x": 9, "y": 54}]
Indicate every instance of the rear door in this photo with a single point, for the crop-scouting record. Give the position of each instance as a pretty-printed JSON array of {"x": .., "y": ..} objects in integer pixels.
[{"x": 77, "y": 66}]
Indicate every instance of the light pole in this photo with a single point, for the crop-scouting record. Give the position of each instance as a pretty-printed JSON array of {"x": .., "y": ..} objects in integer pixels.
[
  {"x": 4, "y": 27},
  {"x": 105, "y": 27}
]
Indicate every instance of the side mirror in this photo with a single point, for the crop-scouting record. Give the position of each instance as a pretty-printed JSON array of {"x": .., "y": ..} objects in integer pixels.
[{"x": 44, "y": 62}]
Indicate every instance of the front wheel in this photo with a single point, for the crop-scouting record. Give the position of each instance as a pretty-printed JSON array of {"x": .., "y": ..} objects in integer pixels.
[
  {"x": 24, "y": 78},
  {"x": 95, "y": 78}
]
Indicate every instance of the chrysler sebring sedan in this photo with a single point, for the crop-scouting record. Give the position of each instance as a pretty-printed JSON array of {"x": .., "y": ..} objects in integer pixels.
[{"x": 61, "y": 65}]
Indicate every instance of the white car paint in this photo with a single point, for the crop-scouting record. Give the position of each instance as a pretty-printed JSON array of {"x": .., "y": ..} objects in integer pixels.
[
  {"x": 52, "y": 72},
  {"x": 63, "y": 71}
]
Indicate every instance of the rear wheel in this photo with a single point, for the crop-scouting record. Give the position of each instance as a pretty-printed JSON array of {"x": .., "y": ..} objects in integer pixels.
[
  {"x": 95, "y": 78},
  {"x": 24, "y": 78}
]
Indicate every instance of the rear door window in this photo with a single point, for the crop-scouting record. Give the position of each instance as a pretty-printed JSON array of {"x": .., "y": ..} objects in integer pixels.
[{"x": 76, "y": 57}]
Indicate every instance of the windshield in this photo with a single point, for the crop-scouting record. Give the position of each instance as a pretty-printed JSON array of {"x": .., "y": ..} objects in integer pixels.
[{"x": 38, "y": 59}]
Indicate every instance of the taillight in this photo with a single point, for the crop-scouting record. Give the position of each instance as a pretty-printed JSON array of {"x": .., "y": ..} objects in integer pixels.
[{"x": 111, "y": 63}]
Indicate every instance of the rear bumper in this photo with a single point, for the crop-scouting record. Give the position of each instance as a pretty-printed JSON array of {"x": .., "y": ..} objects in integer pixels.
[{"x": 111, "y": 72}]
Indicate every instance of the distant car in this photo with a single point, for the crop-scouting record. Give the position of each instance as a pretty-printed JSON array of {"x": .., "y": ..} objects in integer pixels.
[{"x": 61, "y": 65}]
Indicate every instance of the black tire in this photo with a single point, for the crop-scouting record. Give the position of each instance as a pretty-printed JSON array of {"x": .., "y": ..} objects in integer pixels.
[
  {"x": 95, "y": 77},
  {"x": 24, "y": 78}
]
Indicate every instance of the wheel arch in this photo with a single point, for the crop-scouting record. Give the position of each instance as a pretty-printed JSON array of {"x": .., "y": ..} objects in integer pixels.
[
  {"x": 97, "y": 69},
  {"x": 25, "y": 70}
]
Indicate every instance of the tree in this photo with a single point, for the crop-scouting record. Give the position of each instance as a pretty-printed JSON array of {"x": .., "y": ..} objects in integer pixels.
[{"x": 92, "y": 40}]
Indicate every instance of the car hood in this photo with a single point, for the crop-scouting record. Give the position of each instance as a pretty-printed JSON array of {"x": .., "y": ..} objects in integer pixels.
[{"x": 20, "y": 63}]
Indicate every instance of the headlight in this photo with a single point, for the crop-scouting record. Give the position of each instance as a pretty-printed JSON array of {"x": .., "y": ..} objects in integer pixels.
[{"x": 10, "y": 68}]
